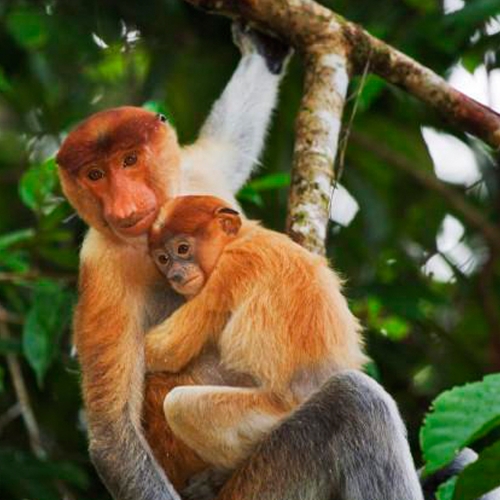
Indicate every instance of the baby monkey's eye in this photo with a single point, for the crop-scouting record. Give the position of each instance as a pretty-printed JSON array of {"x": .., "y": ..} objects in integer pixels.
[
  {"x": 183, "y": 249},
  {"x": 163, "y": 259}
]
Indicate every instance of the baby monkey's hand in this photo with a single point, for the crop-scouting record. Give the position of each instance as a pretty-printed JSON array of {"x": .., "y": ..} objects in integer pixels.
[{"x": 159, "y": 350}]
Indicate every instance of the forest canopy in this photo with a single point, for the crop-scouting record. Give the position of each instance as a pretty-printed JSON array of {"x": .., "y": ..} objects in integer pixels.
[{"x": 423, "y": 279}]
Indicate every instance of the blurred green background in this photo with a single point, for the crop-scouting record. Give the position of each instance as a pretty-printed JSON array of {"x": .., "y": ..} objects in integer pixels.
[{"x": 423, "y": 280}]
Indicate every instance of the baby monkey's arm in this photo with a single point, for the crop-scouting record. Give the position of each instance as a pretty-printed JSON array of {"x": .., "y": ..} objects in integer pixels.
[{"x": 174, "y": 343}]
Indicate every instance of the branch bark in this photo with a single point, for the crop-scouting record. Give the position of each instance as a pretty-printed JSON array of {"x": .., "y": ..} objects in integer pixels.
[
  {"x": 332, "y": 48},
  {"x": 317, "y": 133},
  {"x": 304, "y": 23}
]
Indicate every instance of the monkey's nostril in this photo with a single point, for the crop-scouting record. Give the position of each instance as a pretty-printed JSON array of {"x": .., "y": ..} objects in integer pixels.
[{"x": 176, "y": 277}]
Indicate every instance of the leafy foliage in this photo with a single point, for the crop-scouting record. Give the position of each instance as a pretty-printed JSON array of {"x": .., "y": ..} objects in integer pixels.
[
  {"x": 62, "y": 61},
  {"x": 460, "y": 417}
]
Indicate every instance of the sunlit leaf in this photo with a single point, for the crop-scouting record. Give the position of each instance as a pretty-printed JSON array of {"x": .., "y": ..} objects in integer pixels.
[{"x": 452, "y": 424}]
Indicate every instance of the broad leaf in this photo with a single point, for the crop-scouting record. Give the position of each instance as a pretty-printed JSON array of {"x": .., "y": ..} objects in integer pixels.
[
  {"x": 45, "y": 322},
  {"x": 28, "y": 27},
  {"x": 459, "y": 417},
  {"x": 37, "y": 187},
  {"x": 19, "y": 236},
  {"x": 445, "y": 491},
  {"x": 481, "y": 476}
]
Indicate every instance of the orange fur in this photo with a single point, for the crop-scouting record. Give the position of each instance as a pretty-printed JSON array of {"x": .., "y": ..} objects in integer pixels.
[
  {"x": 288, "y": 338},
  {"x": 117, "y": 286}
]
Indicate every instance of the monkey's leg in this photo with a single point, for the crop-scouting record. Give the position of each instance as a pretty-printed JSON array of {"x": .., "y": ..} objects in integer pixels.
[
  {"x": 222, "y": 424},
  {"x": 346, "y": 443}
]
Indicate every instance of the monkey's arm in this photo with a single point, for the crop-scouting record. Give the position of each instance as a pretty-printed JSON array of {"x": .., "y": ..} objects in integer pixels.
[
  {"x": 232, "y": 137},
  {"x": 108, "y": 337},
  {"x": 174, "y": 343}
]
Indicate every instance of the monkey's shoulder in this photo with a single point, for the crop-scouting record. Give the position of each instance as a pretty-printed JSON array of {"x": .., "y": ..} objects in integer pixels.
[{"x": 264, "y": 247}]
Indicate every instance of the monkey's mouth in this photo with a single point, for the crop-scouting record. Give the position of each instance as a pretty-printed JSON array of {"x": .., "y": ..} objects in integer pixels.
[
  {"x": 137, "y": 226},
  {"x": 188, "y": 287}
]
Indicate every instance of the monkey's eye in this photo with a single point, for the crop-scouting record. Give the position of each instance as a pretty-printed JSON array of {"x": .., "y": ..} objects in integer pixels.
[
  {"x": 163, "y": 259},
  {"x": 183, "y": 249},
  {"x": 94, "y": 174},
  {"x": 130, "y": 160}
]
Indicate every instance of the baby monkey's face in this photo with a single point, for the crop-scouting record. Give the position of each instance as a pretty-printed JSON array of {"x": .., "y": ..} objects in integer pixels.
[{"x": 176, "y": 259}]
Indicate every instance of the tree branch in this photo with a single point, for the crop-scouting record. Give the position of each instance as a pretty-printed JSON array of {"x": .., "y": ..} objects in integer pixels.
[
  {"x": 305, "y": 23},
  {"x": 316, "y": 140},
  {"x": 333, "y": 47},
  {"x": 27, "y": 412}
]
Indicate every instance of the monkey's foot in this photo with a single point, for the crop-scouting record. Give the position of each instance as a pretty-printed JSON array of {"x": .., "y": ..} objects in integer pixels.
[{"x": 274, "y": 51}]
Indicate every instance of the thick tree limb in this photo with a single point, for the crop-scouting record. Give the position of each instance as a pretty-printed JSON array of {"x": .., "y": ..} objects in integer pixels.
[
  {"x": 322, "y": 35},
  {"x": 317, "y": 132},
  {"x": 305, "y": 23}
]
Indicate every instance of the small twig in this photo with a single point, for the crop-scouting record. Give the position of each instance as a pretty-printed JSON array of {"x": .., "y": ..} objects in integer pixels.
[
  {"x": 27, "y": 413},
  {"x": 35, "y": 276},
  {"x": 22, "y": 395},
  {"x": 8, "y": 317}
]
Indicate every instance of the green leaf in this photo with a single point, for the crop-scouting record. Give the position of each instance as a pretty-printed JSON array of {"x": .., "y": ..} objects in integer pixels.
[
  {"x": 459, "y": 417},
  {"x": 5, "y": 85},
  {"x": 250, "y": 195},
  {"x": 23, "y": 476},
  {"x": 277, "y": 180},
  {"x": 445, "y": 491},
  {"x": 28, "y": 27},
  {"x": 16, "y": 261},
  {"x": 10, "y": 346},
  {"x": 394, "y": 327},
  {"x": 2, "y": 379},
  {"x": 44, "y": 324},
  {"x": 481, "y": 476},
  {"x": 37, "y": 187},
  {"x": 19, "y": 236}
]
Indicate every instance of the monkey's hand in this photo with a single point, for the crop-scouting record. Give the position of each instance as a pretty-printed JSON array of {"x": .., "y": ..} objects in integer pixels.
[
  {"x": 163, "y": 349},
  {"x": 274, "y": 51}
]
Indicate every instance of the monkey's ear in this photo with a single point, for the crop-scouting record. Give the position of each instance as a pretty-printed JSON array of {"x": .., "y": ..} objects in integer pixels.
[{"x": 228, "y": 219}]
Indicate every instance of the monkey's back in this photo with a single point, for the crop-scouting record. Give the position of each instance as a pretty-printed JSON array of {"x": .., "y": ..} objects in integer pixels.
[{"x": 291, "y": 325}]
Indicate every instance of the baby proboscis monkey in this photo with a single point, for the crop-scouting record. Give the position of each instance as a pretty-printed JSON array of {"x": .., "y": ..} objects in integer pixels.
[{"x": 273, "y": 310}]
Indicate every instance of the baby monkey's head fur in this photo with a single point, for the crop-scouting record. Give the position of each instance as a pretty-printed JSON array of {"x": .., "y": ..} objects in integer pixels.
[{"x": 188, "y": 238}]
